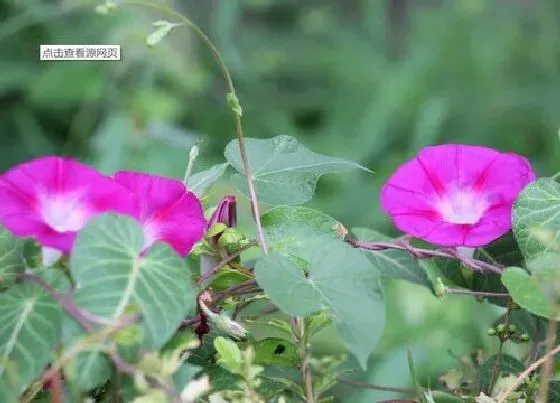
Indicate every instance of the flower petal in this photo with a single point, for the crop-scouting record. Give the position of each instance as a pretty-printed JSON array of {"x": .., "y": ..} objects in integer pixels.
[
  {"x": 456, "y": 195},
  {"x": 166, "y": 209},
  {"x": 51, "y": 198}
]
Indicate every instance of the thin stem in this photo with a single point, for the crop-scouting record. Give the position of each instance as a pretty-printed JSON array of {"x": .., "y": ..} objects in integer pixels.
[
  {"x": 548, "y": 364},
  {"x": 398, "y": 401},
  {"x": 298, "y": 330},
  {"x": 366, "y": 385},
  {"x": 57, "y": 391},
  {"x": 521, "y": 377},
  {"x": 84, "y": 318},
  {"x": 421, "y": 253},
  {"x": 223, "y": 263},
  {"x": 86, "y": 343},
  {"x": 503, "y": 338},
  {"x": 477, "y": 293},
  {"x": 248, "y": 287},
  {"x": 237, "y": 113}
]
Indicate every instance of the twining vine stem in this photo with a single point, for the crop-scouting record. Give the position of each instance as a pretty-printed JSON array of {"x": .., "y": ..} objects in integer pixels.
[
  {"x": 421, "y": 253},
  {"x": 366, "y": 385},
  {"x": 236, "y": 110},
  {"x": 477, "y": 293},
  {"x": 503, "y": 339}
]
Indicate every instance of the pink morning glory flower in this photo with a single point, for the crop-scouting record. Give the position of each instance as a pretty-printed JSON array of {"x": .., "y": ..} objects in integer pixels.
[
  {"x": 51, "y": 198},
  {"x": 166, "y": 209},
  {"x": 456, "y": 195}
]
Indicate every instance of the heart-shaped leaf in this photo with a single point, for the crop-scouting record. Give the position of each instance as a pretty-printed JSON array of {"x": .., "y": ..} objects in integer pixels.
[
  {"x": 342, "y": 281},
  {"x": 537, "y": 208},
  {"x": 88, "y": 369},
  {"x": 295, "y": 230},
  {"x": 525, "y": 292},
  {"x": 11, "y": 257},
  {"x": 111, "y": 275},
  {"x": 284, "y": 171},
  {"x": 30, "y": 330}
]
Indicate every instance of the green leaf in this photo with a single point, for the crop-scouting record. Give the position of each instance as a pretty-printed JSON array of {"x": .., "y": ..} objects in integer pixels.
[
  {"x": 221, "y": 378},
  {"x": 316, "y": 323},
  {"x": 525, "y": 291},
  {"x": 393, "y": 263},
  {"x": 163, "y": 29},
  {"x": 110, "y": 275},
  {"x": 184, "y": 375},
  {"x": 229, "y": 354},
  {"x": 537, "y": 207},
  {"x": 413, "y": 377},
  {"x": 227, "y": 278},
  {"x": 508, "y": 365},
  {"x": 200, "y": 182},
  {"x": 544, "y": 269},
  {"x": 276, "y": 351},
  {"x": 129, "y": 336},
  {"x": 340, "y": 280},
  {"x": 88, "y": 369},
  {"x": 276, "y": 327},
  {"x": 11, "y": 257},
  {"x": 284, "y": 171},
  {"x": 295, "y": 231},
  {"x": 554, "y": 392},
  {"x": 30, "y": 329}
]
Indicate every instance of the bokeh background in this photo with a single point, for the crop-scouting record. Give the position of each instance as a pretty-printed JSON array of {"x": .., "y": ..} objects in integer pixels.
[{"x": 371, "y": 81}]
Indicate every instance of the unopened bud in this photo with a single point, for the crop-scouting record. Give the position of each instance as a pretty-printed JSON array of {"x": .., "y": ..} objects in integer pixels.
[
  {"x": 491, "y": 332},
  {"x": 225, "y": 213},
  {"x": 231, "y": 239},
  {"x": 501, "y": 328},
  {"x": 439, "y": 288},
  {"x": 512, "y": 329},
  {"x": 524, "y": 337}
]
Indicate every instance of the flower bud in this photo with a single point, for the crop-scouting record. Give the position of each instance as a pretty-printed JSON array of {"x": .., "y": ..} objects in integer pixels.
[
  {"x": 524, "y": 337},
  {"x": 439, "y": 288},
  {"x": 225, "y": 213},
  {"x": 501, "y": 328},
  {"x": 512, "y": 329},
  {"x": 491, "y": 332},
  {"x": 231, "y": 239}
]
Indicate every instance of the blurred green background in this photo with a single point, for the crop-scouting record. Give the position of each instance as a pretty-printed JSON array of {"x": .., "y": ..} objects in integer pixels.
[{"x": 371, "y": 81}]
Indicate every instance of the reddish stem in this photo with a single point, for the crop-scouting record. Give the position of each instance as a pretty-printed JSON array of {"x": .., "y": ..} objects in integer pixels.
[{"x": 421, "y": 253}]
